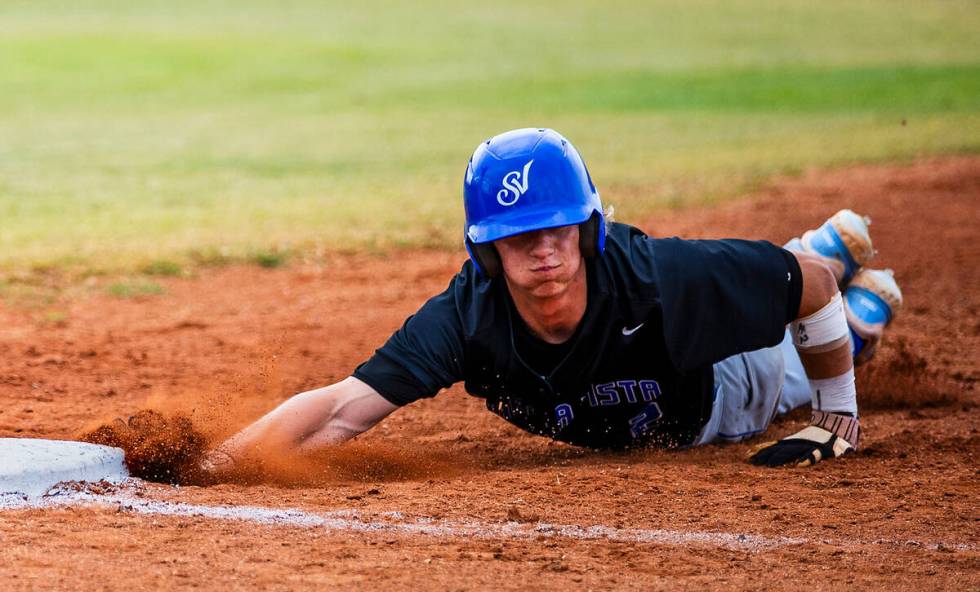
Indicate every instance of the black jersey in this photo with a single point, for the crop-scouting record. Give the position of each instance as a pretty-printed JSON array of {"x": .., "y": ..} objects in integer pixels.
[{"x": 638, "y": 369}]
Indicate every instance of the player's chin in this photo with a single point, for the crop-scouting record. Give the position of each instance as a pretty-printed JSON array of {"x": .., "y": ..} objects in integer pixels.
[{"x": 548, "y": 288}]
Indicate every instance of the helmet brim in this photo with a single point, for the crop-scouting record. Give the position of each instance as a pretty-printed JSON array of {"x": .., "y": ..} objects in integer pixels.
[{"x": 504, "y": 225}]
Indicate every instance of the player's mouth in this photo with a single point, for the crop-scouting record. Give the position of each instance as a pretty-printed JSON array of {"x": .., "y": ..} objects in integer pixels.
[{"x": 545, "y": 268}]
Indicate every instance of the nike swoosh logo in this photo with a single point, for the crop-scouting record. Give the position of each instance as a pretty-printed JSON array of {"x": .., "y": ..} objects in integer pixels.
[{"x": 628, "y": 331}]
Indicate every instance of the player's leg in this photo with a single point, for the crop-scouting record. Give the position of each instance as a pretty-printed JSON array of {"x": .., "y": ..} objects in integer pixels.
[
  {"x": 796, "y": 387},
  {"x": 871, "y": 302},
  {"x": 842, "y": 242},
  {"x": 748, "y": 389}
]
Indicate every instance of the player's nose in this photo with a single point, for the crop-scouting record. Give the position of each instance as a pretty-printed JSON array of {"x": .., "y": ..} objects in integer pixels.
[{"x": 543, "y": 243}]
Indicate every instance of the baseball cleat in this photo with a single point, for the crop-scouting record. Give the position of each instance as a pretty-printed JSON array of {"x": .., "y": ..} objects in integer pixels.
[
  {"x": 871, "y": 301},
  {"x": 842, "y": 241}
]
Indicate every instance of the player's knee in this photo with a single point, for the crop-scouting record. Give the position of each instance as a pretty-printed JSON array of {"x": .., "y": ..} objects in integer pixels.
[{"x": 819, "y": 284}]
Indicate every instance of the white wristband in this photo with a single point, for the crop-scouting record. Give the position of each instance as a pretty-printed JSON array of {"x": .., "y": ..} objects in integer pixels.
[{"x": 834, "y": 394}]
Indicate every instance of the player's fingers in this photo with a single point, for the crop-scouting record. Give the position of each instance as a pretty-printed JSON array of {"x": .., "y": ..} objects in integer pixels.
[
  {"x": 812, "y": 458},
  {"x": 214, "y": 467},
  {"x": 785, "y": 452},
  {"x": 217, "y": 461},
  {"x": 777, "y": 454}
]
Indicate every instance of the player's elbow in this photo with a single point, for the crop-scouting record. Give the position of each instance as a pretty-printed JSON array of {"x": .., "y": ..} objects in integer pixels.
[
  {"x": 300, "y": 417},
  {"x": 819, "y": 284},
  {"x": 341, "y": 411}
]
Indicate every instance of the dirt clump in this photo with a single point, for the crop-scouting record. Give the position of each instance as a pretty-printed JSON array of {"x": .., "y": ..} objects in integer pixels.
[
  {"x": 901, "y": 379},
  {"x": 169, "y": 448},
  {"x": 158, "y": 448}
]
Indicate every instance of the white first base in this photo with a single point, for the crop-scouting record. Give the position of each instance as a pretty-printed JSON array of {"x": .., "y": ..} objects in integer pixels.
[{"x": 32, "y": 467}]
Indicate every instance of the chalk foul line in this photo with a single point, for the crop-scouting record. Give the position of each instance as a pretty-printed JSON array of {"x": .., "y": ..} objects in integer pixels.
[{"x": 395, "y": 523}]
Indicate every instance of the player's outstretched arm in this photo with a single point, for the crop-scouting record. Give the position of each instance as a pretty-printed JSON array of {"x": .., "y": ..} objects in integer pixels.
[
  {"x": 305, "y": 423},
  {"x": 822, "y": 339}
]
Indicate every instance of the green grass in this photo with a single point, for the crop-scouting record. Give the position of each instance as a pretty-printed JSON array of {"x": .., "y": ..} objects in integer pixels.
[
  {"x": 134, "y": 288},
  {"x": 162, "y": 267},
  {"x": 53, "y": 318},
  {"x": 269, "y": 258},
  {"x": 153, "y": 136}
]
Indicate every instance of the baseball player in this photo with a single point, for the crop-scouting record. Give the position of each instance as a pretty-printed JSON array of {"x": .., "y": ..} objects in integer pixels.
[{"x": 587, "y": 331}]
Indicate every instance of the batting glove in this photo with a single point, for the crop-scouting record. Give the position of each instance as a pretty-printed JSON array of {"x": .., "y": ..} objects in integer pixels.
[{"x": 830, "y": 435}]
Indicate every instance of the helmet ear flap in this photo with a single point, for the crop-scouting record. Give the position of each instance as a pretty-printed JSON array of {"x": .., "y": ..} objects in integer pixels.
[
  {"x": 486, "y": 258},
  {"x": 588, "y": 236}
]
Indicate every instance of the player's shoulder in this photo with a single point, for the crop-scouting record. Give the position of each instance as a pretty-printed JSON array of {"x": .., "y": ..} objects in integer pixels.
[
  {"x": 635, "y": 263},
  {"x": 630, "y": 246},
  {"x": 625, "y": 241},
  {"x": 628, "y": 252},
  {"x": 623, "y": 238},
  {"x": 627, "y": 270}
]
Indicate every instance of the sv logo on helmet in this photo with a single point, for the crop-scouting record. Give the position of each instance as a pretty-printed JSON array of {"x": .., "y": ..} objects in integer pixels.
[{"x": 514, "y": 183}]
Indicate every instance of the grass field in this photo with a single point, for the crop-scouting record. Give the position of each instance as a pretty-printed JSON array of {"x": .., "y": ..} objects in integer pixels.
[{"x": 137, "y": 133}]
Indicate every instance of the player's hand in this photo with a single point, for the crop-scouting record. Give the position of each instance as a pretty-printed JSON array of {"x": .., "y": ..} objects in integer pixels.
[
  {"x": 822, "y": 440},
  {"x": 215, "y": 465}
]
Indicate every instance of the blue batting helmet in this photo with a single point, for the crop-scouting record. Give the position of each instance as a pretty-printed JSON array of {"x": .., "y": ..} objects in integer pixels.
[{"x": 525, "y": 180}]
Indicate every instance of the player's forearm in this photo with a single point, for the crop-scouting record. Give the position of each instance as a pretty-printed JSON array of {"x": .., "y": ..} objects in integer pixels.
[
  {"x": 305, "y": 423},
  {"x": 287, "y": 426},
  {"x": 822, "y": 339}
]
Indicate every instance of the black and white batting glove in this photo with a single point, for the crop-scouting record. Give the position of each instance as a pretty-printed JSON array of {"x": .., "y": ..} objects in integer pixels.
[{"x": 829, "y": 435}]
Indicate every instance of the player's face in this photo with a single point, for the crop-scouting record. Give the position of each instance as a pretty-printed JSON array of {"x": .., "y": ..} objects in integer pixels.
[{"x": 544, "y": 262}]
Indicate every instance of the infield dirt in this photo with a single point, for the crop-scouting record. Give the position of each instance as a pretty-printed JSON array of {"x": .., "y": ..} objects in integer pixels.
[{"x": 224, "y": 346}]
